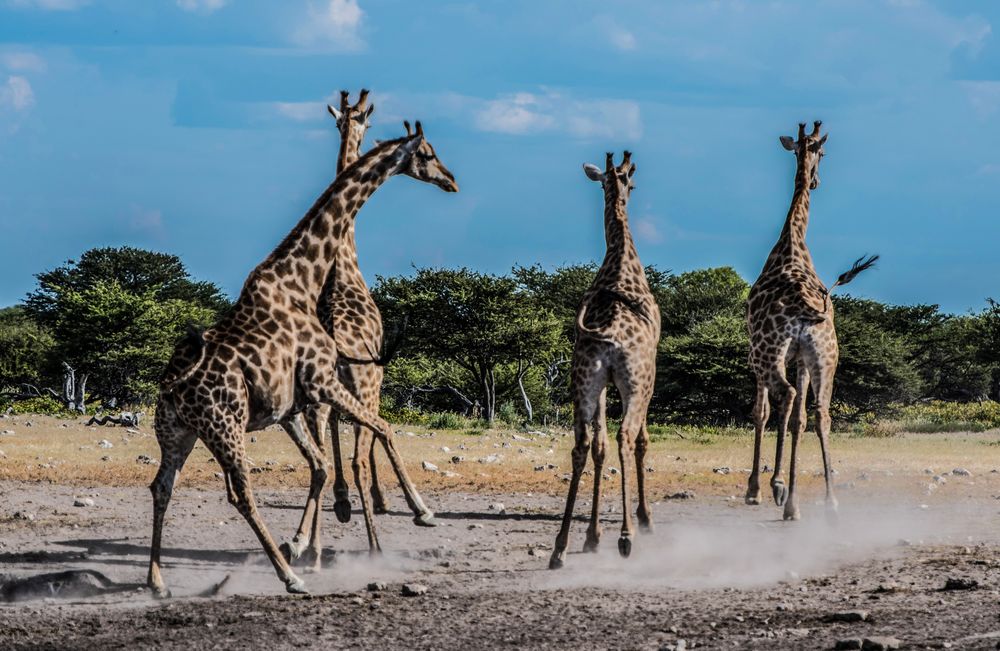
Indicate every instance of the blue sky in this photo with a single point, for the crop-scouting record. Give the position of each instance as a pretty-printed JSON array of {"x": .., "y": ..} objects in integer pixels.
[{"x": 198, "y": 127}]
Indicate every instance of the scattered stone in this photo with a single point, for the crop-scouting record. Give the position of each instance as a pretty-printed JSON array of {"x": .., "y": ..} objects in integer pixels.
[
  {"x": 498, "y": 507},
  {"x": 3, "y": 455},
  {"x": 847, "y": 616},
  {"x": 105, "y": 443},
  {"x": 408, "y": 434},
  {"x": 533, "y": 552},
  {"x": 378, "y": 586},
  {"x": 941, "y": 479},
  {"x": 612, "y": 470},
  {"x": 682, "y": 495},
  {"x": 414, "y": 589},
  {"x": 83, "y": 502},
  {"x": 146, "y": 460},
  {"x": 783, "y": 606},
  {"x": 492, "y": 458},
  {"x": 448, "y": 473},
  {"x": 256, "y": 470},
  {"x": 24, "y": 515},
  {"x": 8, "y": 432},
  {"x": 540, "y": 468},
  {"x": 457, "y": 459},
  {"x": 928, "y": 471},
  {"x": 430, "y": 467},
  {"x": 253, "y": 439},
  {"x": 445, "y": 448},
  {"x": 519, "y": 438},
  {"x": 879, "y": 644},
  {"x": 960, "y": 584},
  {"x": 475, "y": 526},
  {"x": 961, "y": 472},
  {"x": 849, "y": 643},
  {"x": 724, "y": 470}
]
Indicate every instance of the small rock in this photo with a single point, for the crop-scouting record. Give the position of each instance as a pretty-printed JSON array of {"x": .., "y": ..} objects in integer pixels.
[
  {"x": 445, "y": 448},
  {"x": 847, "y": 616},
  {"x": 24, "y": 515},
  {"x": 519, "y": 438},
  {"x": 961, "y": 472},
  {"x": 83, "y": 501},
  {"x": 849, "y": 643},
  {"x": 941, "y": 479},
  {"x": 492, "y": 458},
  {"x": 612, "y": 470},
  {"x": 378, "y": 586},
  {"x": 539, "y": 468},
  {"x": 105, "y": 443},
  {"x": 448, "y": 473},
  {"x": 457, "y": 459},
  {"x": 498, "y": 507},
  {"x": 253, "y": 439},
  {"x": 960, "y": 584},
  {"x": 146, "y": 460},
  {"x": 8, "y": 432},
  {"x": 414, "y": 589},
  {"x": 682, "y": 495},
  {"x": 783, "y": 606},
  {"x": 430, "y": 467},
  {"x": 475, "y": 526},
  {"x": 724, "y": 470},
  {"x": 879, "y": 644},
  {"x": 3, "y": 455},
  {"x": 928, "y": 471}
]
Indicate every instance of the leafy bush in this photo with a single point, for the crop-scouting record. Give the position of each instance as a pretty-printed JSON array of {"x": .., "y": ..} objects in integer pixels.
[{"x": 44, "y": 405}]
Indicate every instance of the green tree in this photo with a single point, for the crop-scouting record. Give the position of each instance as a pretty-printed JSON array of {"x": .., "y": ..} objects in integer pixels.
[
  {"x": 482, "y": 323},
  {"x": 694, "y": 297},
  {"x": 24, "y": 348},
  {"x": 136, "y": 271},
  {"x": 120, "y": 339}
]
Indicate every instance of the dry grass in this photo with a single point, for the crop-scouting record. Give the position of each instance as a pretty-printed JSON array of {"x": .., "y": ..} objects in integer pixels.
[{"x": 67, "y": 452}]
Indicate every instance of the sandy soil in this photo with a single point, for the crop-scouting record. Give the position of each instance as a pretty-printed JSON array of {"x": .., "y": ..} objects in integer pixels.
[{"x": 715, "y": 573}]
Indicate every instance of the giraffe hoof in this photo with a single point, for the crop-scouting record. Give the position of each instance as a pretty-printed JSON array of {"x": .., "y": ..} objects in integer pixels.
[
  {"x": 160, "y": 592},
  {"x": 645, "y": 526},
  {"x": 379, "y": 507},
  {"x": 780, "y": 492},
  {"x": 625, "y": 546},
  {"x": 290, "y": 551},
  {"x": 296, "y": 586},
  {"x": 753, "y": 499},
  {"x": 791, "y": 514},
  {"x": 342, "y": 508},
  {"x": 556, "y": 562},
  {"x": 425, "y": 520},
  {"x": 591, "y": 545}
]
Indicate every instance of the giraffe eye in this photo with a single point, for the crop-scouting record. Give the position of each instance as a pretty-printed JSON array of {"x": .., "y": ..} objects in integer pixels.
[{"x": 425, "y": 157}]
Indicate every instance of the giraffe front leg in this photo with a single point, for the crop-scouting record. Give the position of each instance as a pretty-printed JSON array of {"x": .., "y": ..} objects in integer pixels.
[
  {"x": 761, "y": 410},
  {"x": 785, "y": 395},
  {"x": 643, "y": 513},
  {"x": 798, "y": 425},
  {"x": 174, "y": 451},
  {"x": 305, "y": 546},
  {"x": 341, "y": 497}
]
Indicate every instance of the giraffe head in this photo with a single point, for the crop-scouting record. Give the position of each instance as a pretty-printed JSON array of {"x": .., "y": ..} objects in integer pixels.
[
  {"x": 616, "y": 181},
  {"x": 808, "y": 151},
  {"x": 352, "y": 122},
  {"x": 420, "y": 162}
]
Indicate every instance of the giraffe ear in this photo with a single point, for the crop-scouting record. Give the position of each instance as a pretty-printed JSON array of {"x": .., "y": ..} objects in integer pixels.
[
  {"x": 371, "y": 109},
  {"x": 593, "y": 172},
  {"x": 334, "y": 112},
  {"x": 788, "y": 143}
]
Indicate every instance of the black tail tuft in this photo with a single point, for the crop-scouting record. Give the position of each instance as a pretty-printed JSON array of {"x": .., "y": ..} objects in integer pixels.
[
  {"x": 861, "y": 264},
  {"x": 389, "y": 347}
]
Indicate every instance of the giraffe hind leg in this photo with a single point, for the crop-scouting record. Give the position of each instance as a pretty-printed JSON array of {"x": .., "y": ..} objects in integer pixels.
[
  {"x": 761, "y": 411},
  {"x": 341, "y": 498}
]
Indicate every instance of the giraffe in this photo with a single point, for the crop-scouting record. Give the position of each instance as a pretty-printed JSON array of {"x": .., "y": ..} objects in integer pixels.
[
  {"x": 351, "y": 315},
  {"x": 617, "y": 330},
  {"x": 271, "y": 355},
  {"x": 790, "y": 319}
]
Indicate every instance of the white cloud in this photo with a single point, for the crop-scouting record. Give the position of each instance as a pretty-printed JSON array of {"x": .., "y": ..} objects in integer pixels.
[
  {"x": 621, "y": 38},
  {"x": 646, "y": 230},
  {"x": 49, "y": 5},
  {"x": 301, "y": 111},
  {"x": 334, "y": 23},
  {"x": 984, "y": 96},
  {"x": 201, "y": 6},
  {"x": 552, "y": 111},
  {"x": 17, "y": 94},
  {"x": 22, "y": 62}
]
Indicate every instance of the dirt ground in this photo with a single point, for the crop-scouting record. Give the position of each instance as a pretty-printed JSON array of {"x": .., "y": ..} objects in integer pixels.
[{"x": 715, "y": 573}]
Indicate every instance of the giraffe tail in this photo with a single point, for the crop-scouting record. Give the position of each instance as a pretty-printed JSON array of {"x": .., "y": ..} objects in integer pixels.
[
  {"x": 612, "y": 295},
  {"x": 195, "y": 338},
  {"x": 863, "y": 263}
]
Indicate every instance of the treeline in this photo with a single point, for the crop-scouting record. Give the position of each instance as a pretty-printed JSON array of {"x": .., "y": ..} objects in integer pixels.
[{"x": 491, "y": 346}]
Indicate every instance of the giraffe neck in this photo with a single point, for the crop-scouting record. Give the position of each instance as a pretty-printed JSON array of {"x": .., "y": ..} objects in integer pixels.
[
  {"x": 350, "y": 148},
  {"x": 309, "y": 251},
  {"x": 621, "y": 260},
  {"x": 350, "y": 151},
  {"x": 791, "y": 245}
]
